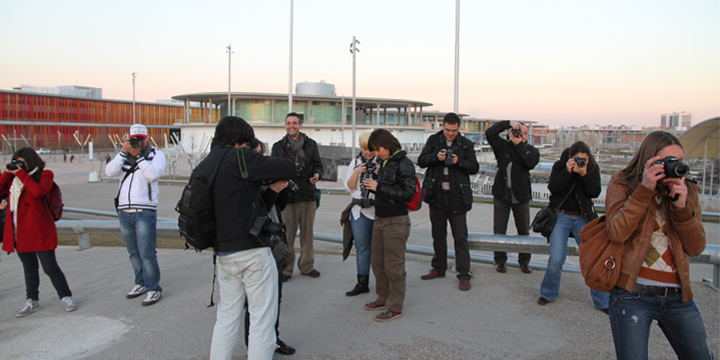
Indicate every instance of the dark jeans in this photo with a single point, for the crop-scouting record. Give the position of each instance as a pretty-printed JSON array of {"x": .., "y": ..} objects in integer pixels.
[
  {"x": 277, "y": 319},
  {"x": 50, "y": 267},
  {"x": 439, "y": 218},
  {"x": 501, "y": 216},
  {"x": 632, "y": 315}
]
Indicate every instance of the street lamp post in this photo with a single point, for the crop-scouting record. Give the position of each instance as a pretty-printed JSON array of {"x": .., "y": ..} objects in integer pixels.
[
  {"x": 353, "y": 51},
  {"x": 229, "y": 51},
  {"x": 290, "y": 64},
  {"x": 134, "y": 75},
  {"x": 457, "y": 53}
]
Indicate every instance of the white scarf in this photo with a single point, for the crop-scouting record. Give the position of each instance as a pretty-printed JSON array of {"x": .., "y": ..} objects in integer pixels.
[{"x": 14, "y": 197}]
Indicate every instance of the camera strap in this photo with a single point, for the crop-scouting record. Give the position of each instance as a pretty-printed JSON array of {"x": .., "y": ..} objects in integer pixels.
[
  {"x": 245, "y": 174},
  {"x": 130, "y": 171}
]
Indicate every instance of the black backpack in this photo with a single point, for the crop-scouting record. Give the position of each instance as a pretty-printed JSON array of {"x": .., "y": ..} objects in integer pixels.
[{"x": 197, "y": 206}]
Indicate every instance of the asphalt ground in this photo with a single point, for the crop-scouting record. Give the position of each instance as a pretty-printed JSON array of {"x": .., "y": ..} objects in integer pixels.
[{"x": 497, "y": 319}]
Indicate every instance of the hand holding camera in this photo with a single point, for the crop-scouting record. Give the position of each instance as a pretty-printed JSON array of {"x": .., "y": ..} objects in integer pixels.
[
  {"x": 132, "y": 146},
  {"x": 15, "y": 165},
  {"x": 669, "y": 167}
]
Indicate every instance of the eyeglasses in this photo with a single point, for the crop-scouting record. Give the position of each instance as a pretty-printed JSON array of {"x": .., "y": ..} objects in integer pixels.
[{"x": 452, "y": 131}]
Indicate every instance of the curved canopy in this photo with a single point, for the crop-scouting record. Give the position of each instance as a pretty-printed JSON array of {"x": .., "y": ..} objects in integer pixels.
[{"x": 697, "y": 137}]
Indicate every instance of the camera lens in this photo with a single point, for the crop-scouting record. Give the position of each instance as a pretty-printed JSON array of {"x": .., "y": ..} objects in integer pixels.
[
  {"x": 676, "y": 169},
  {"x": 135, "y": 142},
  {"x": 293, "y": 186}
]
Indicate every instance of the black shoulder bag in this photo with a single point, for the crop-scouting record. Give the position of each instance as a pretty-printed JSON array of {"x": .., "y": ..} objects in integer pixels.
[{"x": 545, "y": 219}]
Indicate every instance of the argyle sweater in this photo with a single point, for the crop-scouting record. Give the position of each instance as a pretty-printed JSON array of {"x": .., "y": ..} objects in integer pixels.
[{"x": 659, "y": 263}]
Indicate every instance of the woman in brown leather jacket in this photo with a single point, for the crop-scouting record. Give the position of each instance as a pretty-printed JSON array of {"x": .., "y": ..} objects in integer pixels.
[{"x": 656, "y": 213}]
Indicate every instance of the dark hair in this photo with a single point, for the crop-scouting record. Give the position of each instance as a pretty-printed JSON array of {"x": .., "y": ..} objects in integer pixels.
[
  {"x": 384, "y": 138},
  {"x": 32, "y": 159},
  {"x": 452, "y": 119},
  {"x": 232, "y": 130},
  {"x": 581, "y": 147},
  {"x": 255, "y": 143},
  {"x": 300, "y": 118}
]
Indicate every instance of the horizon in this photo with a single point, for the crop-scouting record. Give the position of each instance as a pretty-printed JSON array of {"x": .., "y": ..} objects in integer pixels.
[{"x": 560, "y": 63}]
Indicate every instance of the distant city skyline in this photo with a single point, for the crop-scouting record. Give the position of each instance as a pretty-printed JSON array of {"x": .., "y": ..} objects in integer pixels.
[{"x": 556, "y": 62}]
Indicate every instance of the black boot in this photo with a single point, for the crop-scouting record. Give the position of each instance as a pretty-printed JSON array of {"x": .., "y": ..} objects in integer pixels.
[{"x": 361, "y": 287}]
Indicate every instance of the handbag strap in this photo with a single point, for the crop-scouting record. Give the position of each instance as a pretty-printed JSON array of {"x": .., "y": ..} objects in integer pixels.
[{"x": 566, "y": 195}]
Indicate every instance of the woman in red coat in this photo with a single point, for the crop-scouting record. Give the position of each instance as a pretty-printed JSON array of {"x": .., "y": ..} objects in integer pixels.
[{"x": 30, "y": 229}]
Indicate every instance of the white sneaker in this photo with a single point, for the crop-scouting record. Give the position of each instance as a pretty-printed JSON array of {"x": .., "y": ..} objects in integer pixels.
[
  {"x": 151, "y": 298},
  {"x": 30, "y": 307},
  {"x": 136, "y": 291},
  {"x": 70, "y": 305}
]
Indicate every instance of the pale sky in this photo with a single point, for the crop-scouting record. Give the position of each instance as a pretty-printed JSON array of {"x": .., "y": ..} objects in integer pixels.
[{"x": 561, "y": 62}]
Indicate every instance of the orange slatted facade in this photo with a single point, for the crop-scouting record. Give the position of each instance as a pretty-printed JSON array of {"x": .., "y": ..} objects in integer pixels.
[{"x": 40, "y": 117}]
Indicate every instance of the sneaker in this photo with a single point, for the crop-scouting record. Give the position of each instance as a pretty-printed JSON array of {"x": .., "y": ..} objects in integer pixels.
[
  {"x": 387, "y": 315},
  {"x": 30, "y": 307},
  {"x": 374, "y": 305},
  {"x": 151, "y": 298},
  {"x": 136, "y": 291},
  {"x": 70, "y": 305}
]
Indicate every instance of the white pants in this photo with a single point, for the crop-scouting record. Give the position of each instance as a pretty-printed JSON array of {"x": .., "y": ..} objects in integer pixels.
[{"x": 252, "y": 272}]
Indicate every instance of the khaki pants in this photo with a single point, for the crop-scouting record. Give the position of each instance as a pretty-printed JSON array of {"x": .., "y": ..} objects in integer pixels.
[
  {"x": 303, "y": 214},
  {"x": 388, "y": 259}
]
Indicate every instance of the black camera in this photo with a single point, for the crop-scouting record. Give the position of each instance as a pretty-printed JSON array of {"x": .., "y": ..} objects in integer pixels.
[
  {"x": 580, "y": 161},
  {"x": 370, "y": 165},
  {"x": 516, "y": 132},
  {"x": 15, "y": 164},
  {"x": 674, "y": 168},
  {"x": 263, "y": 228},
  {"x": 135, "y": 142},
  {"x": 293, "y": 186},
  {"x": 448, "y": 157}
]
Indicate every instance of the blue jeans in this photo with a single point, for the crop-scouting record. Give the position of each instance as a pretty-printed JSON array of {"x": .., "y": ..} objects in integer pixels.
[
  {"x": 550, "y": 287},
  {"x": 139, "y": 231},
  {"x": 362, "y": 237},
  {"x": 632, "y": 314}
]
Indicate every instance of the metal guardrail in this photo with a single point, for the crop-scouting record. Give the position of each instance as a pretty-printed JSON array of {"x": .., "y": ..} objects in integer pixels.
[
  {"x": 714, "y": 215},
  {"x": 476, "y": 241}
]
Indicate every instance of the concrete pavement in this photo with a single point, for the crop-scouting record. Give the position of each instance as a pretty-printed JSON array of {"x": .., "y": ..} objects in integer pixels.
[{"x": 497, "y": 319}]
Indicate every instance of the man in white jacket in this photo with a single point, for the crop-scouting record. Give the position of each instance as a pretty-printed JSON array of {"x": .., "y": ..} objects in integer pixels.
[{"x": 141, "y": 166}]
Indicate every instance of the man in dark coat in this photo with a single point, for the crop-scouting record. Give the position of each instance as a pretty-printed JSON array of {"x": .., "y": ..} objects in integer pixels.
[
  {"x": 450, "y": 160},
  {"x": 300, "y": 210},
  {"x": 512, "y": 189}
]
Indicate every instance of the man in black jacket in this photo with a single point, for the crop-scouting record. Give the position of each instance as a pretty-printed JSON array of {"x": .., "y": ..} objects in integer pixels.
[
  {"x": 512, "y": 189},
  {"x": 300, "y": 210},
  {"x": 244, "y": 265},
  {"x": 450, "y": 160}
]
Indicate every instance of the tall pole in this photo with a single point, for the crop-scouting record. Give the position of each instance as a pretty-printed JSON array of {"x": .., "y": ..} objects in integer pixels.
[
  {"x": 134, "y": 75},
  {"x": 457, "y": 52},
  {"x": 354, "y": 50},
  {"x": 229, "y": 51},
  {"x": 290, "y": 92}
]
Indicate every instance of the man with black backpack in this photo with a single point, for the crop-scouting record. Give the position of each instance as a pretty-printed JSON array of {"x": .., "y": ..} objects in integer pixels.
[
  {"x": 141, "y": 166},
  {"x": 245, "y": 265}
]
